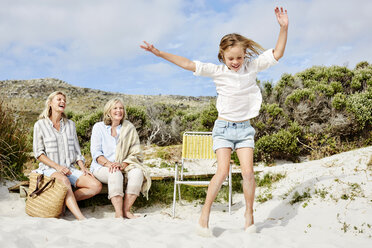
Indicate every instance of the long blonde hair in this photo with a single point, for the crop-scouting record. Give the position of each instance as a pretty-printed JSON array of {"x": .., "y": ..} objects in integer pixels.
[
  {"x": 107, "y": 118},
  {"x": 250, "y": 47},
  {"x": 47, "y": 112}
]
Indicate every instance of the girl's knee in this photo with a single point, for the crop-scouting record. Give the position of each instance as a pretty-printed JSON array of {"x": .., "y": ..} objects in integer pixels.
[
  {"x": 248, "y": 176},
  {"x": 221, "y": 176}
]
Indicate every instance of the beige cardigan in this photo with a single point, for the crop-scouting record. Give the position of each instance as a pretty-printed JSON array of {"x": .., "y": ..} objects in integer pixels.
[{"x": 128, "y": 150}]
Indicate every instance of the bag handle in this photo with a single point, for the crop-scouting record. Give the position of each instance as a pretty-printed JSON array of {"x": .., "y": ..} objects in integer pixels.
[{"x": 38, "y": 191}]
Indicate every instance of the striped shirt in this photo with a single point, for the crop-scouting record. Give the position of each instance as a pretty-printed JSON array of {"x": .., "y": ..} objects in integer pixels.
[{"x": 62, "y": 146}]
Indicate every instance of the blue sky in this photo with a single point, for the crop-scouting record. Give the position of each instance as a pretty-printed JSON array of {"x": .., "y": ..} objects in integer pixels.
[{"x": 95, "y": 43}]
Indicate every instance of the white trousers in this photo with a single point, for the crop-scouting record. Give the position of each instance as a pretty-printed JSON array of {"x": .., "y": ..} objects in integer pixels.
[{"x": 115, "y": 181}]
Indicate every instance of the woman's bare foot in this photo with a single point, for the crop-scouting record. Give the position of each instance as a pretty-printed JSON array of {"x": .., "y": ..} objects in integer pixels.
[
  {"x": 118, "y": 215},
  {"x": 81, "y": 218},
  {"x": 129, "y": 215}
]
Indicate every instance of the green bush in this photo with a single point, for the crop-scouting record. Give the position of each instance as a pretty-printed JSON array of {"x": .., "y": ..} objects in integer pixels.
[
  {"x": 313, "y": 74},
  {"x": 362, "y": 78},
  {"x": 282, "y": 144},
  {"x": 311, "y": 83},
  {"x": 287, "y": 80},
  {"x": 339, "y": 101},
  {"x": 300, "y": 95},
  {"x": 268, "y": 88},
  {"x": 84, "y": 127},
  {"x": 324, "y": 88},
  {"x": 207, "y": 117},
  {"x": 337, "y": 87},
  {"x": 273, "y": 109},
  {"x": 339, "y": 73},
  {"x": 14, "y": 145},
  {"x": 360, "y": 104},
  {"x": 361, "y": 65},
  {"x": 138, "y": 117}
]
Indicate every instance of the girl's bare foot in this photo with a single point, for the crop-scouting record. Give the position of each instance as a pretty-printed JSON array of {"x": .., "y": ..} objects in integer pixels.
[
  {"x": 249, "y": 220},
  {"x": 204, "y": 219}
]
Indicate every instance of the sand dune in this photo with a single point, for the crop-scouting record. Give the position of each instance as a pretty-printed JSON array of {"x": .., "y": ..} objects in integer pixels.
[{"x": 337, "y": 212}]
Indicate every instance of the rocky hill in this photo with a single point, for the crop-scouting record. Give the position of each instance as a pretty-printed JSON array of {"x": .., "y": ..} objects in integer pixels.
[{"x": 28, "y": 96}]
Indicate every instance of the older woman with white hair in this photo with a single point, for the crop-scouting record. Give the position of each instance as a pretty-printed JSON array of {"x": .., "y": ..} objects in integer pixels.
[
  {"x": 115, "y": 149},
  {"x": 56, "y": 146}
]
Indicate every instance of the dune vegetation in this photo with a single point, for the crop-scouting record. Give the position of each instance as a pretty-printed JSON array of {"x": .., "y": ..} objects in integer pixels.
[{"x": 315, "y": 113}]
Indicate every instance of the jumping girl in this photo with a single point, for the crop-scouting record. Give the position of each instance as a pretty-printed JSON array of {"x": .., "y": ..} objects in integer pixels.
[{"x": 239, "y": 99}]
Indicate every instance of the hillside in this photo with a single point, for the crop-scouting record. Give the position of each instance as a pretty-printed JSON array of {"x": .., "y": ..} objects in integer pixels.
[{"x": 28, "y": 97}]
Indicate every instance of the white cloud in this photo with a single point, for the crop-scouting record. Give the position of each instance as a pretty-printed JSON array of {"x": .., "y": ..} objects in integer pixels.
[
  {"x": 77, "y": 39},
  {"x": 88, "y": 29}
]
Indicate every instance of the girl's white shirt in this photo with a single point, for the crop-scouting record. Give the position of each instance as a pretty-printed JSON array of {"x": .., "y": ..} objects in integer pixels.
[{"x": 238, "y": 95}]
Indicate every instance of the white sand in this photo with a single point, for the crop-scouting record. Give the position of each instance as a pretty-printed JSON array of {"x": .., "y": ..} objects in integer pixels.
[{"x": 316, "y": 222}]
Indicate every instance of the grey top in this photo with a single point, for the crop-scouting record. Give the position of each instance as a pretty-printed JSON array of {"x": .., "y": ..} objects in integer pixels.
[{"x": 60, "y": 146}]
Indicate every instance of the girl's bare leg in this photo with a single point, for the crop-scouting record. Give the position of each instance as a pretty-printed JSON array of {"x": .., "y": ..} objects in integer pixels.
[
  {"x": 223, "y": 165},
  {"x": 245, "y": 156}
]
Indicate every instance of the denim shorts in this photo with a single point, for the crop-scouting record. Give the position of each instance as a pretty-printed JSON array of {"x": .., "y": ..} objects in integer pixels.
[
  {"x": 73, "y": 177},
  {"x": 232, "y": 135}
]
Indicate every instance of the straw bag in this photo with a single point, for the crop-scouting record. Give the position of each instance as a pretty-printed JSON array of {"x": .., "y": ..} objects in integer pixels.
[{"x": 46, "y": 198}]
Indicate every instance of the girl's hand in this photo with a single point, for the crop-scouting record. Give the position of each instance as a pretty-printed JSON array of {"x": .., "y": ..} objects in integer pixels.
[
  {"x": 64, "y": 170},
  {"x": 281, "y": 16},
  {"x": 150, "y": 48}
]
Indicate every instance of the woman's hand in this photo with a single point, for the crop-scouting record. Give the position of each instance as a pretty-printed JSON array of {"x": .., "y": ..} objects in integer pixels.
[
  {"x": 282, "y": 17},
  {"x": 150, "y": 48},
  {"x": 113, "y": 166},
  {"x": 64, "y": 170},
  {"x": 123, "y": 166},
  {"x": 86, "y": 172}
]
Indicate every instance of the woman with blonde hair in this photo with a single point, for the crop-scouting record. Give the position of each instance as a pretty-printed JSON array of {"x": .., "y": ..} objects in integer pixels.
[
  {"x": 56, "y": 146},
  {"x": 115, "y": 149}
]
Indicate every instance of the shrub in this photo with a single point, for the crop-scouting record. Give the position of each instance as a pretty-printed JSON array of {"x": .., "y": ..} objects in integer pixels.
[
  {"x": 362, "y": 78},
  {"x": 138, "y": 117},
  {"x": 286, "y": 81},
  {"x": 337, "y": 87},
  {"x": 315, "y": 73},
  {"x": 324, "y": 88},
  {"x": 299, "y": 95},
  {"x": 208, "y": 116},
  {"x": 360, "y": 104},
  {"x": 340, "y": 74},
  {"x": 282, "y": 144},
  {"x": 361, "y": 65},
  {"x": 85, "y": 124},
  {"x": 270, "y": 120},
  {"x": 268, "y": 88},
  {"x": 14, "y": 145},
  {"x": 339, "y": 101}
]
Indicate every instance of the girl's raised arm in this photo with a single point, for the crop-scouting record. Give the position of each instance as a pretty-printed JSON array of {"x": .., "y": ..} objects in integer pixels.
[
  {"x": 282, "y": 17},
  {"x": 182, "y": 62}
]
